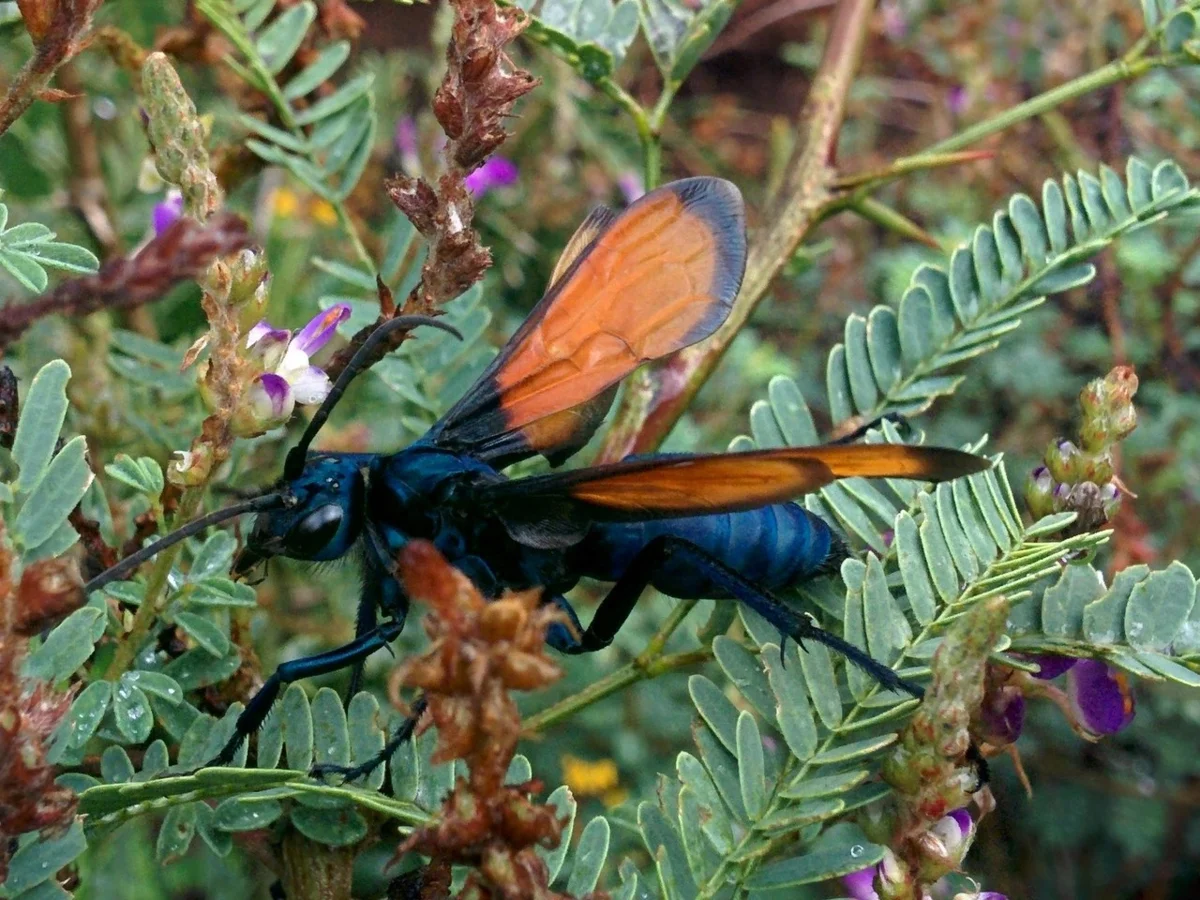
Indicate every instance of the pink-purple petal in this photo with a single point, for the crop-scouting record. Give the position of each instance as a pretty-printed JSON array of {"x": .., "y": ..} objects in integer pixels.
[
  {"x": 264, "y": 330},
  {"x": 271, "y": 397},
  {"x": 1050, "y": 666},
  {"x": 860, "y": 885},
  {"x": 166, "y": 212},
  {"x": 316, "y": 334},
  {"x": 1100, "y": 696},
  {"x": 496, "y": 172}
]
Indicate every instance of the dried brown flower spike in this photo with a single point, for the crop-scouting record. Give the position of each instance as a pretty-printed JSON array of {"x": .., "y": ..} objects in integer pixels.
[{"x": 479, "y": 652}]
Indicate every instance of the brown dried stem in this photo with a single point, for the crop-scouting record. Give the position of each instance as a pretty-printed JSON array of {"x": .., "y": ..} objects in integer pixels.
[
  {"x": 59, "y": 30},
  {"x": 476, "y": 96},
  {"x": 479, "y": 652},
  {"x": 183, "y": 252}
]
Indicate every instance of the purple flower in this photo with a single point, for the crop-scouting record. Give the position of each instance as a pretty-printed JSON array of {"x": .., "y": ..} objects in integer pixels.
[
  {"x": 405, "y": 139},
  {"x": 1003, "y": 715},
  {"x": 1050, "y": 666},
  {"x": 860, "y": 885},
  {"x": 631, "y": 186},
  {"x": 288, "y": 377},
  {"x": 957, "y": 100},
  {"x": 1100, "y": 697},
  {"x": 496, "y": 172},
  {"x": 166, "y": 211}
]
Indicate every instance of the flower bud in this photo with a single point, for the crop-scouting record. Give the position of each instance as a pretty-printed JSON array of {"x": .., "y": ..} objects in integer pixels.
[
  {"x": 1039, "y": 492},
  {"x": 1062, "y": 458}
]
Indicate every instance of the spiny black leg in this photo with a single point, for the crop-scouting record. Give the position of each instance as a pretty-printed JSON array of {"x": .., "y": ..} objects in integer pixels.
[
  {"x": 330, "y": 661},
  {"x": 364, "y": 623},
  {"x": 789, "y": 622},
  {"x": 615, "y": 608},
  {"x": 399, "y": 737}
]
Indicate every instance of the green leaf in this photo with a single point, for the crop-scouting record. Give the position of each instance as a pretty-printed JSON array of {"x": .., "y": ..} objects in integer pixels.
[
  {"x": 665, "y": 846},
  {"x": 25, "y": 268},
  {"x": 564, "y": 802},
  {"x": 214, "y": 557},
  {"x": 793, "y": 711},
  {"x": 116, "y": 766},
  {"x": 590, "y": 855},
  {"x": 210, "y": 636},
  {"x": 338, "y": 100},
  {"x": 54, "y": 496},
  {"x": 66, "y": 257},
  {"x": 143, "y": 474},
  {"x": 177, "y": 832},
  {"x": 246, "y": 813},
  {"x": 316, "y": 73},
  {"x": 68, "y": 646},
  {"x": 1063, "y": 604},
  {"x": 751, "y": 767},
  {"x": 1159, "y": 606},
  {"x": 131, "y": 710},
  {"x": 297, "y": 723},
  {"x": 333, "y": 827},
  {"x": 841, "y": 850},
  {"x": 42, "y": 415},
  {"x": 716, "y": 710},
  {"x": 331, "y": 737},
  {"x": 87, "y": 711},
  {"x": 39, "y": 860},
  {"x": 279, "y": 41},
  {"x": 367, "y": 735}
]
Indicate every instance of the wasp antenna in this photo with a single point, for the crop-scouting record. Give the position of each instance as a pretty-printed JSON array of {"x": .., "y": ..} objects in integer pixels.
[
  {"x": 126, "y": 566},
  {"x": 361, "y": 360}
]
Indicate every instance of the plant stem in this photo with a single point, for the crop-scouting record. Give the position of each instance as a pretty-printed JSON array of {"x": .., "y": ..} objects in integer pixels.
[
  {"x": 147, "y": 614},
  {"x": 618, "y": 680},
  {"x": 1118, "y": 70},
  {"x": 790, "y": 215},
  {"x": 646, "y": 665}
]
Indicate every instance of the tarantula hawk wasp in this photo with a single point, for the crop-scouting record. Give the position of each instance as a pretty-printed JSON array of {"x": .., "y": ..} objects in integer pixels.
[{"x": 629, "y": 288}]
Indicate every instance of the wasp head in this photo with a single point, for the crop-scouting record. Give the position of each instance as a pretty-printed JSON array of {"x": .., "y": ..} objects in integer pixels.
[{"x": 320, "y": 519}]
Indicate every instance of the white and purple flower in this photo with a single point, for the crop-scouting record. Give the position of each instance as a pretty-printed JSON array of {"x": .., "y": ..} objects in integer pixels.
[{"x": 289, "y": 377}]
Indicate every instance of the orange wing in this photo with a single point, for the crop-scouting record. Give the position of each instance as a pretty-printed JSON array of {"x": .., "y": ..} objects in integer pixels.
[
  {"x": 690, "y": 485},
  {"x": 657, "y": 278}
]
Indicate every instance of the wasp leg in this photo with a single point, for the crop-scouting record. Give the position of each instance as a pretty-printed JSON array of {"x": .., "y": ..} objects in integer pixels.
[
  {"x": 364, "y": 623},
  {"x": 615, "y": 608},
  {"x": 399, "y": 737},
  {"x": 330, "y": 661}
]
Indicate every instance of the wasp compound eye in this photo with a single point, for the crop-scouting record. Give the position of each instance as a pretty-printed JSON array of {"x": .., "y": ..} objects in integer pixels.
[{"x": 309, "y": 536}]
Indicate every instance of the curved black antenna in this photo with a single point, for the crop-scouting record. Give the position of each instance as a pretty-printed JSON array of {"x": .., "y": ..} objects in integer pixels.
[
  {"x": 293, "y": 465},
  {"x": 131, "y": 562}
]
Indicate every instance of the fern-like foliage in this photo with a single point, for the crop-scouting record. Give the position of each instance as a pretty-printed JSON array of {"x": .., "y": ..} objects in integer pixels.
[
  {"x": 896, "y": 359},
  {"x": 216, "y": 804},
  {"x": 325, "y": 143},
  {"x": 28, "y": 249}
]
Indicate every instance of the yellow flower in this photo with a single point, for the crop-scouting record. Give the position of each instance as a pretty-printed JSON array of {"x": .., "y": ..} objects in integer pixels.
[
  {"x": 285, "y": 203},
  {"x": 323, "y": 212},
  {"x": 587, "y": 778}
]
